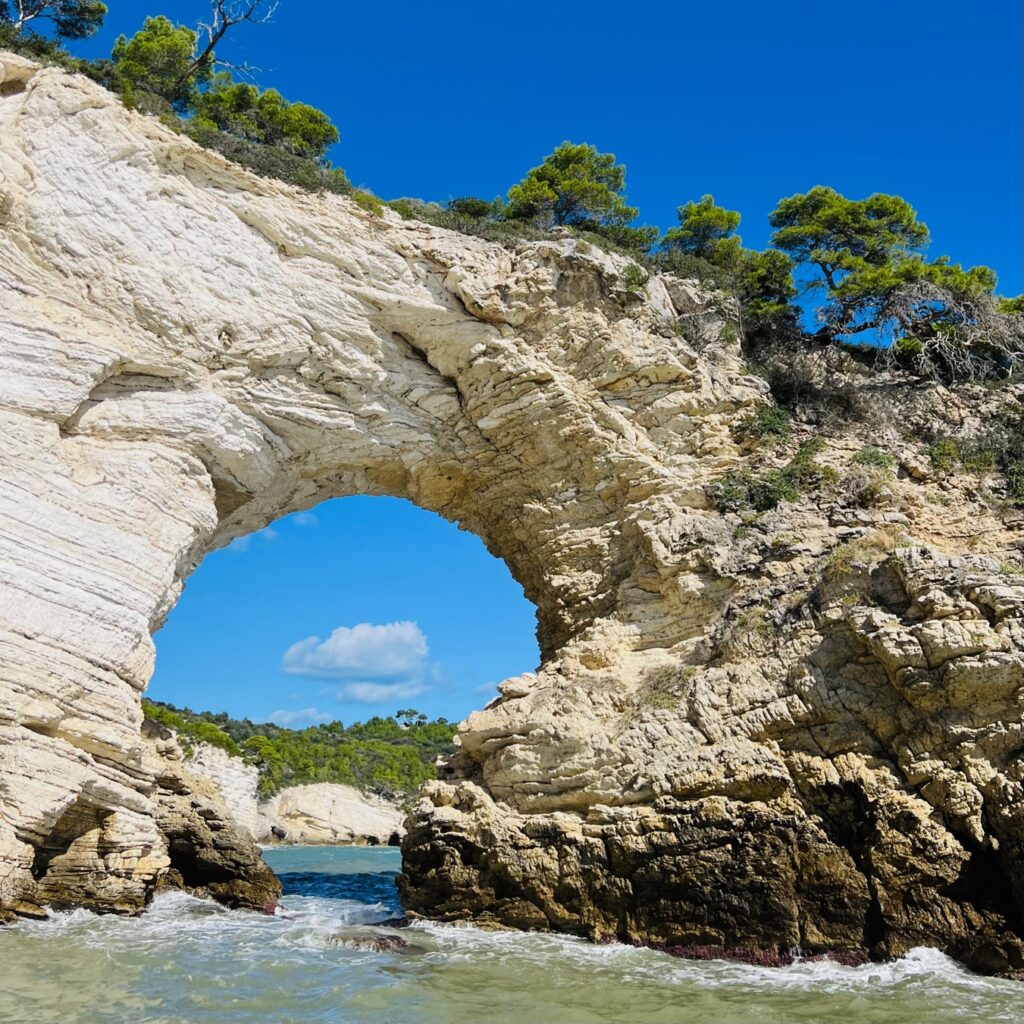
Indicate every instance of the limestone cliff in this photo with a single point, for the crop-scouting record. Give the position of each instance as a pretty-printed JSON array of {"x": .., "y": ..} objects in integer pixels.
[
  {"x": 797, "y": 729},
  {"x": 326, "y": 812},
  {"x": 236, "y": 782}
]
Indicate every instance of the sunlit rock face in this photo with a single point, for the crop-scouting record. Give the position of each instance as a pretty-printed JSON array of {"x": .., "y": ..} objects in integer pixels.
[{"x": 796, "y": 732}]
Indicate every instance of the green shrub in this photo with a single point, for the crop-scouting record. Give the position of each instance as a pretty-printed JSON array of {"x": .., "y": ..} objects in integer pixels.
[
  {"x": 271, "y": 161},
  {"x": 367, "y": 201},
  {"x": 745, "y": 490},
  {"x": 770, "y": 423},
  {"x": 635, "y": 279},
  {"x": 190, "y": 732},
  {"x": 874, "y": 457},
  {"x": 944, "y": 455}
]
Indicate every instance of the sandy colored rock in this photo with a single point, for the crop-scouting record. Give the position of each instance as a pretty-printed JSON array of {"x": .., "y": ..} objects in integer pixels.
[
  {"x": 800, "y": 729},
  {"x": 326, "y": 812}
]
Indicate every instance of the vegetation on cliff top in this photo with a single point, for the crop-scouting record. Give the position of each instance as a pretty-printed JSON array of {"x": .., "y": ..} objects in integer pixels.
[
  {"x": 391, "y": 756},
  {"x": 855, "y": 267}
]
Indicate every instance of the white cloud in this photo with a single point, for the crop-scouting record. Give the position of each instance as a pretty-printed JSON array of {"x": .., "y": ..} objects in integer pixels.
[
  {"x": 488, "y": 687},
  {"x": 396, "y": 651},
  {"x": 307, "y": 716},
  {"x": 240, "y": 545},
  {"x": 305, "y": 519},
  {"x": 379, "y": 693}
]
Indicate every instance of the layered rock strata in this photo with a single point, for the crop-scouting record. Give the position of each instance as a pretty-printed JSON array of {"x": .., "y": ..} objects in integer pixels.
[{"x": 799, "y": 729}]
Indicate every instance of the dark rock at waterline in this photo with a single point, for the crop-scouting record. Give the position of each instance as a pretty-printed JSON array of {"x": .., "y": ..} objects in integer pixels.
[
  {"x": 762, "y": 957},
  {"x": 730, "y": 880},
  {"x": 395, "y": 922},
  {"x": 371, "y": 939}
]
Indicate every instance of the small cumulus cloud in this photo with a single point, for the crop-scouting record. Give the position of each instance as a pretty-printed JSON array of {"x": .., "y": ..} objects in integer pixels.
[
  {"x": 305, "y": 519},
  {"x": 396, "y": 650},
  {"x": 378, "y": 693},
  {"x": 291, "y": 719}
]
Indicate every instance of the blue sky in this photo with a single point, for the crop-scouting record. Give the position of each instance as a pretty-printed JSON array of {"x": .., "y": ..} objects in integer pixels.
[
  {"x": 750, "y": 101},
  {"x": 363, "y": 606}
]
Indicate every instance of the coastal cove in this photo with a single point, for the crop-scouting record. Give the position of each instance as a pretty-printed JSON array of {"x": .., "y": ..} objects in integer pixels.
[
  {"x": 190, "y": 960},
  {"x": 668, "y": 664}
]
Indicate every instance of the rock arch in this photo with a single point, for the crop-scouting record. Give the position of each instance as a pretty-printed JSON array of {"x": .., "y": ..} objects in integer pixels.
[
  {"x": 189, "y": 353},
  {"x": 730, "y": 744}
]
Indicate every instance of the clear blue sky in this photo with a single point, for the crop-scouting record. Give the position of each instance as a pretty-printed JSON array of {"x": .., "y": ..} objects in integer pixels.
[{"x": 750, "y": 101}]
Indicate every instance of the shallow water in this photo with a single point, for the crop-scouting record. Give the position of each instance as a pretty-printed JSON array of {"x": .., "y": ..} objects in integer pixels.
[{"x": 189, "y": 962}]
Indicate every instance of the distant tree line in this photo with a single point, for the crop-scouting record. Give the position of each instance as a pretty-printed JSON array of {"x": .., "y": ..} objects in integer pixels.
[{"x": 390, "y": 756}]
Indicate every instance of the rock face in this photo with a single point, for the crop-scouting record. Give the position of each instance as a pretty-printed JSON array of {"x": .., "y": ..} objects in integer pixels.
[
  {"x": 236, "y": 782},
  {"x": 209, "y": 853},
  {"x": 754, "y": 733},
  {"x": 328, "y": 813}
]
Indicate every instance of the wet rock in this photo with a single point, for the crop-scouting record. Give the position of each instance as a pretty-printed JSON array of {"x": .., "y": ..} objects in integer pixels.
[{"x": 372, "y": 939}]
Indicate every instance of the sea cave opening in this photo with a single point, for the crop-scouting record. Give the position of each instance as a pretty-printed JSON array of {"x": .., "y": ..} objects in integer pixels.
[{"x": 336, "y": 647}]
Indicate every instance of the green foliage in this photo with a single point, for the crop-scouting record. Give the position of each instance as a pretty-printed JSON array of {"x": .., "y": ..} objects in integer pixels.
[
  {"x": 474, "y": 208},
  {"x": 944, "y": 455},
  {"x": 769, "y": 423},
  {"x": 367, "y": 201},
  {"x": 869, "y": 255},
  {"x": 1012, "y": 306},
  {"x": 705, "y": 230},
  {"x": 706, "y": 246},
  {"x": 271, "y": 161},
  {"x": 191, "y": 731},
  {"x": 874, "y": 458},
  {"x": 574, "y": 185},
  {"x": 998, "y": 448},
  {"x": 158, "y": 59},
  {"x": 265, "y": 118},
  {"x": 634, "y": 279},
  {"x": 71, "y": 19},
  {"x": 746, "y": 491},
  {"x": 467, "y": 216},
  {"x": 383, "y": 755}
]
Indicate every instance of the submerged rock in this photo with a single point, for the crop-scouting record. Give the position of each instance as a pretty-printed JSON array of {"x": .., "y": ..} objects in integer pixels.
[{"x": 374, "y": 940}]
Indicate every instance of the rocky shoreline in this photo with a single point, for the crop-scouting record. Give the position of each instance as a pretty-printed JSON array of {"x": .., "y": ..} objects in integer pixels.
[{"x": 799, "y": 727}]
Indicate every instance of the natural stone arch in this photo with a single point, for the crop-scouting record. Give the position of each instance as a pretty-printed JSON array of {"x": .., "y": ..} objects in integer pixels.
[{"x": 188, "y": 352}]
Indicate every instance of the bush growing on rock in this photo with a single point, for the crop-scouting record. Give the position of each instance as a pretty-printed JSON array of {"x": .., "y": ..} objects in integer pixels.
[
  {"x": 577, "y": 187},
  {"x": 705, "y": 245},
  {"x": 930, "y": 316},
  {"x": 749, "y": 491},
  {"x": 265, "y": 118},
  {"x": 157, "y": 60}
]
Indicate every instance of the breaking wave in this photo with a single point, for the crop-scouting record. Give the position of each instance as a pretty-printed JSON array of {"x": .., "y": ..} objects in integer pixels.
[{"x": 316, "y": 961}]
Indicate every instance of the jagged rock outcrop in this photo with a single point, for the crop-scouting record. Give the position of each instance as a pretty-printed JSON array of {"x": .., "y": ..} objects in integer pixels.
[
  {"x": 326, "y": 812},
  {"x": 210, "y": 854},
  {"x": 235, "y": 781},
  {"x": 754, "y": 732}
]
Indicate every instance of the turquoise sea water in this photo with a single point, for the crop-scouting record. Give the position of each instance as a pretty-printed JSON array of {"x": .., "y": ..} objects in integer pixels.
[{"x": 189, "y": 962}]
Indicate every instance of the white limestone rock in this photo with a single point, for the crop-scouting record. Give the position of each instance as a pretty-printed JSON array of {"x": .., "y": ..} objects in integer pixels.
[{"x": 329, "y": 813}]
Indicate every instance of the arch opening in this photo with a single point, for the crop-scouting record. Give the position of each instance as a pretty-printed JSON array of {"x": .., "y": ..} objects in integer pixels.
[{"x": 359, "y": 605}]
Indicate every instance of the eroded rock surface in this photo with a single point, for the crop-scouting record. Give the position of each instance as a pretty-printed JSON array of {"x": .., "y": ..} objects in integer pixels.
[
  {"x": 795, "y": 730},
  {"x": 329, "y": 813}
]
